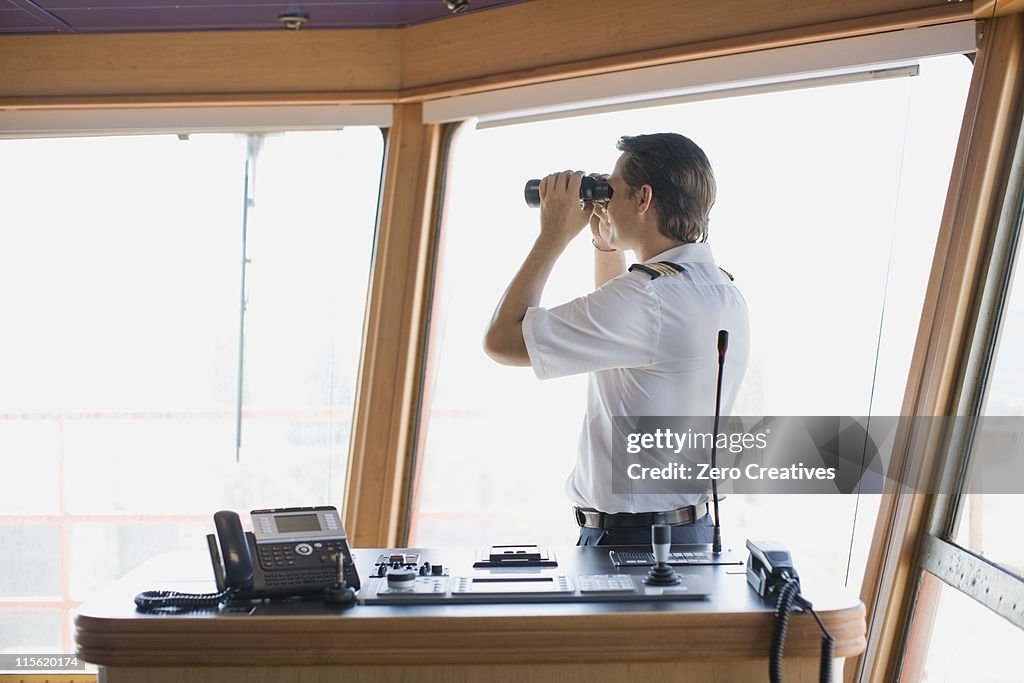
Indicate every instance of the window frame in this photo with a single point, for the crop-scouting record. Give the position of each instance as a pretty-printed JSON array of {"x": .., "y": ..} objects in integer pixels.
[{"x": 955, "y": 344}]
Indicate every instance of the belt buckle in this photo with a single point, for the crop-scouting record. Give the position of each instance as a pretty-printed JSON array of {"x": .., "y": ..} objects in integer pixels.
[
  {"x": 580, "y": 519},
  {"x": 685, "y": 515}
]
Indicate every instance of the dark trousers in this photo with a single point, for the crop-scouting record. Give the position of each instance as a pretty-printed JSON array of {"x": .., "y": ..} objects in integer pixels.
[{"x": 700, "y": 531}]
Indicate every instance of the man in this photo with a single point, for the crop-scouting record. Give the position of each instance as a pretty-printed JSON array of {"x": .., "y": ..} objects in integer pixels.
[{"x": 647, "y": 336}]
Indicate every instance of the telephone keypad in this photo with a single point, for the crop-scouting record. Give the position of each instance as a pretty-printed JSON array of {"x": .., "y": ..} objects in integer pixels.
[
  {"x": 299, "y": 578},
  {"x": 278, "y": 557}
]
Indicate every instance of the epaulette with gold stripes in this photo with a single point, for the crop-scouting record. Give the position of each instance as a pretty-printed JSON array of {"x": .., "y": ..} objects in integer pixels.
[
  {"x": 727, "y": 273},
  {"x": 656, "y": 270}
]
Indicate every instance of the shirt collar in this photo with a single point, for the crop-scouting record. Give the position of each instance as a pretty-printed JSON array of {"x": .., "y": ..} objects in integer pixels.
[{"x": 695, "y": 252}]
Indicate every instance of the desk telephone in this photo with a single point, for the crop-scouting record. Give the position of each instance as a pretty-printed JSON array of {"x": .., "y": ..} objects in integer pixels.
[
  {"x": 298, "y": 551},
  {"x": 295, "y": 551}
]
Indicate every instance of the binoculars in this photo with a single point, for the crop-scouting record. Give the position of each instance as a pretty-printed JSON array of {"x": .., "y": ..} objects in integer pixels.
[{"x": 592, "y": 189}]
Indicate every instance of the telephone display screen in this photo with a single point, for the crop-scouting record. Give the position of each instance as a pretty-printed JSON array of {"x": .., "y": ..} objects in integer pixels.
[{"x": 292, "y": 523}]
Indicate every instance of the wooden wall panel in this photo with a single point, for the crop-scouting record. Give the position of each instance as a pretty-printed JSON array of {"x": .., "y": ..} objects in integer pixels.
[
  {"x": 528, "y": 42},
  {"x": 554, "y": 38},
  {"x": 997, "y": 8},
  {"x": 163, "y": 67}
]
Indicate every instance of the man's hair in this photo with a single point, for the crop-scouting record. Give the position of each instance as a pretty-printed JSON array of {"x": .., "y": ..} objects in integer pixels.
[{"x": 679, "y": 173}]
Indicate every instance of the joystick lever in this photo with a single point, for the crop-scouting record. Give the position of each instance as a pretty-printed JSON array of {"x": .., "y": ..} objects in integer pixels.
[{"x": 661, "y": 573}]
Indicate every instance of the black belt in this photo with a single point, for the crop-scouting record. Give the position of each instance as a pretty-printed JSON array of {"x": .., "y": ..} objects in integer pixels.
[{"x": 595, "y": 519}]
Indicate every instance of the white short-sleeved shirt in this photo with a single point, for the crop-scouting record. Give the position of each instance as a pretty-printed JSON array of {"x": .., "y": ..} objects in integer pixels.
[{"x": 650, "y": 347}]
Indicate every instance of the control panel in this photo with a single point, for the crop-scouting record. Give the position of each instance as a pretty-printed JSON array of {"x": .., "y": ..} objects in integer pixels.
[
  {"x": 641, "y": 558},
  {"x": 414, "y": 589}
]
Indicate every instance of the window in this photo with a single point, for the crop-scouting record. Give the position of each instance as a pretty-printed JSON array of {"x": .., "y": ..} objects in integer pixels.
[
  {"x": 828, "y": 206},
  {"x": 988, "y": 523},
  {"x": 975, "y": 572},
  {"x": 969, "y": 571},
  {"x": 121, "y": 364},
  {"x": 987, "y": 651}
]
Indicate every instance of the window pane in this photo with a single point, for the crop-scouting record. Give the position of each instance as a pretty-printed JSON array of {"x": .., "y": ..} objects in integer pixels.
[
  {"x": 988, "y": 521},
  {"x": 966, "y": 641},
  {"x": 30, "y": 545},
  {"x": 120, "y": 291},
  {"x": 31, "y": 631},
  {"x": 990, "y": 526},
  {"x": 829, "y": 200}
]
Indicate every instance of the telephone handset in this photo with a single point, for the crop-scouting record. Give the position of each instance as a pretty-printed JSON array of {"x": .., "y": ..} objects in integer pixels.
[
  {"x": 297, "y": 551},
  {"x": 290, "y": 552},
  {"x": 237, "y": 569}
]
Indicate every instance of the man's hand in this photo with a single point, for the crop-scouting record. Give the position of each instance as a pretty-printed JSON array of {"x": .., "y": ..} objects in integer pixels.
[
  {"x": 600, "y": 229},
  {"x": 561, "y": 217},
  {"x": 600, "y": 224},
  {"x": 609, "y": 260}
]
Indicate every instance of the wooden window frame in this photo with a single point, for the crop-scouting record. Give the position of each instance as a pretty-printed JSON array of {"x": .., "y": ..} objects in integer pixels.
[{"x": 949, "y": 360}]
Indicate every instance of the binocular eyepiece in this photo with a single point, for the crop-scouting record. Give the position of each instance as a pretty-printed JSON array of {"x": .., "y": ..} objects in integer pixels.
[{"x": 592, "y": 189}]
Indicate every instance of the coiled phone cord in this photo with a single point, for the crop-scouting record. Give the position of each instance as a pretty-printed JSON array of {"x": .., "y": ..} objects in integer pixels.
[
  {"x": 789, "y": 595},
  {"x": 175, "y": 601}
]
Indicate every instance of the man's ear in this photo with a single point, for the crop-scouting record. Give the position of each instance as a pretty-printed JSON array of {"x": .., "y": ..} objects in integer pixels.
[{"x": 644, "y": 198}]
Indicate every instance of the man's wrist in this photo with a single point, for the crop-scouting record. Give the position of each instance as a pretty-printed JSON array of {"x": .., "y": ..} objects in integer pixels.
[{"x": 551, "y": 243}]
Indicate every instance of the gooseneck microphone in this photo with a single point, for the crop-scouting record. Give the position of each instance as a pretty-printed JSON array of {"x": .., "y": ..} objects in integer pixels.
[{"x": 723, "y": 346}]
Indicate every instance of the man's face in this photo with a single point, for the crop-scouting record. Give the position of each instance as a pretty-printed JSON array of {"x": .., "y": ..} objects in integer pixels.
[{"x": 617, "y": 216}]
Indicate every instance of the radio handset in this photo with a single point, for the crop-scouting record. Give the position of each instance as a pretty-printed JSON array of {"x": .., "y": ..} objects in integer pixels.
[
  {"x": 769, "y": 568},
  {"x": 770, "y": 572}
]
